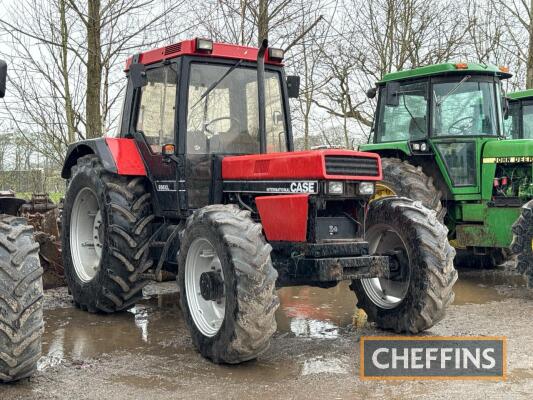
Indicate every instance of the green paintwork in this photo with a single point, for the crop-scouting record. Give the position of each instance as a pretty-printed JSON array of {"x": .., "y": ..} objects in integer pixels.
[
  {"x": 472, "y": 217},
  {"x": 494, "y": 232},
  {"x": 443, "y": 69},
  {"x": 524, "y": 94},
  {"x": 402, "y": 147}
]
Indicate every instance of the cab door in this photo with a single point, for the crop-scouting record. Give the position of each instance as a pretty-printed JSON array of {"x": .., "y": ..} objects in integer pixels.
[
  {"x": 154, "y": 125},
  {"x": 465, "y": 113}
]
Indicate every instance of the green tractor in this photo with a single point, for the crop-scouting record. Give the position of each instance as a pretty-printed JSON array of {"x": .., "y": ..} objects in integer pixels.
[
  {"x": 440, "y": 132},
  {"x": 519, "y": 125}
]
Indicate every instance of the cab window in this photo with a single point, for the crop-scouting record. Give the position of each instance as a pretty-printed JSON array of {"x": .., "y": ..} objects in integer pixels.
[
  {"x": 528, "y": 122},
  {"x": 408, "y": 119},
  {"x": 157, "y": 107}
]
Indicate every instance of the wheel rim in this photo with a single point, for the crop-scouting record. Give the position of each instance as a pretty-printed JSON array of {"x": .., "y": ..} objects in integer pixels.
[
  {"x": 388, "y": 292},
  {"x": 86, "y": 235},
  {"x": 208, "y": 315},
  {"x": 381, "y": 191}
]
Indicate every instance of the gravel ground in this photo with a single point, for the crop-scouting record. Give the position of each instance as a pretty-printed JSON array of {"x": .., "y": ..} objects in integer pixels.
[{"x": 147, "y": 353}]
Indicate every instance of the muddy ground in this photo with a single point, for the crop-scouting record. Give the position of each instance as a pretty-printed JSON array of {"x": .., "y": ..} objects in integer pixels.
[{"x": 147, "y": 353}]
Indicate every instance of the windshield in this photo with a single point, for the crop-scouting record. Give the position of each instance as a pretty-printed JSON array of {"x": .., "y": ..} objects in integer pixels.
[
  {"x": 464, "y": 108},
  {"x": 223, "y": 111},
  {"x": 527, "y": 121}
]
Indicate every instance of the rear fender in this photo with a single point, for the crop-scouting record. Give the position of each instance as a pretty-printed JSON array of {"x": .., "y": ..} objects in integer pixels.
[{"x": 118, "y": 155}]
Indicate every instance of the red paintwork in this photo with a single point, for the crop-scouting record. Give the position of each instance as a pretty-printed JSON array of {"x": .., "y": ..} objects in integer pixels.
[
  {"x": 293, "y": 165},
  {"x": 284, "y": 217},
  {"x": 188, "y": 47},
  {"x": 126, "y": 155}
]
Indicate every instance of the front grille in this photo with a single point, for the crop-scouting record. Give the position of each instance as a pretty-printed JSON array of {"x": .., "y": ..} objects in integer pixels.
[{"x": 351, "y": 166}]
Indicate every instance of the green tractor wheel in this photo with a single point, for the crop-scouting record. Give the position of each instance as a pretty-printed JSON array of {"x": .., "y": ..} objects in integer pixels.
[
  {"x": 522, "y": 244},
  {"x": 403, "y": 179}
]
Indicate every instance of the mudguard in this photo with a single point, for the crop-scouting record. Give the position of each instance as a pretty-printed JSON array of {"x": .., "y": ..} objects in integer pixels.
[{"x": 118, "y": 155}]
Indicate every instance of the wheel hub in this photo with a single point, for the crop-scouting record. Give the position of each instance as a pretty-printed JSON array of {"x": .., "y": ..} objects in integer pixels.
[{"x": 211, "y": 286}]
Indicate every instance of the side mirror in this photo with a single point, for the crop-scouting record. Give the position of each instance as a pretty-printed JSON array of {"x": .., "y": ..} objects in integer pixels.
[
  {"x": 293, "y": 86},
  {"x": 138, "y": 75},
  {"x": 371, "y": 93},
  {"x": 392, "y": 89},
  {"x": 3, "y": 77}
]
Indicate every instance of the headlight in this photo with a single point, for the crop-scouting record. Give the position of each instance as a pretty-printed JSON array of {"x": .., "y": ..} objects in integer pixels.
[
  {"x": 423, "y": 147},
  {"x": 416, "y": 146},
  {"x": 366, "y": 188},
  {"x": 335, "y": 187}
]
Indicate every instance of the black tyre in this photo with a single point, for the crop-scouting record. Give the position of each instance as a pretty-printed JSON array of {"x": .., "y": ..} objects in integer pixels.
[
  {"x": 420, "y": 286},
  {"x": 522, "y": 244},
  {"x": 106, "y": 226},
  {"x": 227, "y": 284},
  {"x": 21, "y": 292},
  {"x": 405, "y": 180}
]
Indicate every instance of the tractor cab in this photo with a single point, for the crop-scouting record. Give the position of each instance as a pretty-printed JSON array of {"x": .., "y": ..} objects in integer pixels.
[
  {"x": 519, "y": 120},
  {"x": 443, "y": 113},
  {"x": 198, "y": 101},
  {"x": 440, "y": 131}
]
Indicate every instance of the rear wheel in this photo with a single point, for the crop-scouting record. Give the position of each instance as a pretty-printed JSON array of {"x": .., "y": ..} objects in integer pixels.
[
  {"x": 106, "y": 224},
  {"x": 522, "y": 244},
  {"x": 400, "y": 178},
  {"x": 419, "y": 288},
  {"x": 21, "y": 292},
  {"x": 227, "y": 284}
]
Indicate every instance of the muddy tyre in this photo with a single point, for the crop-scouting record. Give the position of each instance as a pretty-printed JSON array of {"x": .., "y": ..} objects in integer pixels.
[
  {"x": 106, "y": 227},
  {"x": 420, "y": 286},
  {"x": 21, "y": 292},
  {"x": 522, "y": 244},
  {"x": 406, "y": 180},
  {"x": 227, "y": 284}
]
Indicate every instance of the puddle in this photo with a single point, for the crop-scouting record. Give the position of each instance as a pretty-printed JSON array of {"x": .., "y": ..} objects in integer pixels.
[
  {"x": 315, "y": 313},
  {"x": 154, "y": 329},
  {"x": 481, "y": 287}
]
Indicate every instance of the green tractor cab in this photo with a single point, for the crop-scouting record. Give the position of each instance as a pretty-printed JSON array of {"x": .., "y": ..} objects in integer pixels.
[
  {"x": 519, "y": 121},
  {"x": 440, "y": 131}
]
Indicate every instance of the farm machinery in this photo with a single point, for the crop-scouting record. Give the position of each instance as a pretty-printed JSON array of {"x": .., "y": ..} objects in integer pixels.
[
  {"x": 519, "y": 125},
  {"x": 440, "y": 132},
  {"x": 21, "y": 288},
  {"x": 202, "y": 180}
]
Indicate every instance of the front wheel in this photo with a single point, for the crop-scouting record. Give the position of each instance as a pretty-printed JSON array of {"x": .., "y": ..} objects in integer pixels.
[
  {"x": 522, "y": 244},
  {"x": 419, "y": 287},
  {"x": 227, "y": 284}
]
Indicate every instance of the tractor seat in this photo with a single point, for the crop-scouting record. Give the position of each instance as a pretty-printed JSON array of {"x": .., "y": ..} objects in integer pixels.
[
  {"x": 232, "y": 142},
  {"x": 417, "y": 127}
]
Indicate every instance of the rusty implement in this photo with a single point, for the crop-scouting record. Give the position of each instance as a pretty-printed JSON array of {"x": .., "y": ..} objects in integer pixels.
[{"x": 44, "y": 215}]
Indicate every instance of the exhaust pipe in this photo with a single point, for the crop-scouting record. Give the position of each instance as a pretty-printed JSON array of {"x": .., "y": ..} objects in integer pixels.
[{"x": 261, "y": 95}]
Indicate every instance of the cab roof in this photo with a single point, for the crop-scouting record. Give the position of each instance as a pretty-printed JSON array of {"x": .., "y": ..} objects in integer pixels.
[
  {"x": 447, "y": 69},
  {"x": 520, "y": 95},
  {"x": 188, "y": 47}
]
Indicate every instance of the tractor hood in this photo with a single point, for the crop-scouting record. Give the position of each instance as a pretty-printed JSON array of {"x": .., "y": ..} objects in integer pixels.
[
  {"x": 507, "y": 149},
  {"x": 319, "y": 164}
]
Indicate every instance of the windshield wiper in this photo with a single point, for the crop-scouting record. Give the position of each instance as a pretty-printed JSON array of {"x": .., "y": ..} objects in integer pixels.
[
  {"x": 217, "y": 82},
  {"x": 467, "y": 77}
]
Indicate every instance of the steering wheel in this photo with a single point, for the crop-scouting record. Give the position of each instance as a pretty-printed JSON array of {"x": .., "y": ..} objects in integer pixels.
[
  {"x": 461, "y": 126},
  {"x": 221, "y": 119}
]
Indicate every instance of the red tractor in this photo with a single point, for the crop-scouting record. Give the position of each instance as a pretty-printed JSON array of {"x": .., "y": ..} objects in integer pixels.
[{"x": 202, "y": 180}]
